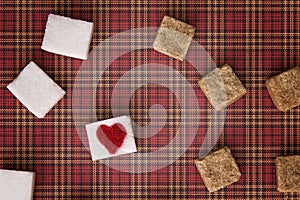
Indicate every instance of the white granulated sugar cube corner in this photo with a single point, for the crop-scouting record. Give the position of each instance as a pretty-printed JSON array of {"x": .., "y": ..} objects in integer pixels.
[
  {"x": 16, "y": 185},
  {"x": 68, "y": 37},
  {"x": 111, "y": 137},
  {"x": 36, "y": 90}
]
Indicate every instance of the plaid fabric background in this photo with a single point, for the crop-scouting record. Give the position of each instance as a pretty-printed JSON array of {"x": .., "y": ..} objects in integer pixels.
[{"x": 257, "y": 38}]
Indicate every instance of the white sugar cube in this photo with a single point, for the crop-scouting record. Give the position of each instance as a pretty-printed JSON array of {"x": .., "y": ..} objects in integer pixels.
[
  {"x": 36, "y": 90},
  {"x": 16, "y": 185},
  {"x": 111, "y": 137},
  {"x": 66, "y": 36}
]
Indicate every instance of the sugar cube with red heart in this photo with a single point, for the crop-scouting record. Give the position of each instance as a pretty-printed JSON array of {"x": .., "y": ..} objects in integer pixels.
[{"x": 111, "y": 137}]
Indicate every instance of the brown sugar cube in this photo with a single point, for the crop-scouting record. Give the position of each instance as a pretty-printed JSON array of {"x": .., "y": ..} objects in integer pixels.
[
  {"x": 284, "y": 89},
  {"x": 218, "y": 169},
  {"x": 173, "y": 38},
  {"x": 288, "y": 173},
  {"x": 222, "y": 87}
]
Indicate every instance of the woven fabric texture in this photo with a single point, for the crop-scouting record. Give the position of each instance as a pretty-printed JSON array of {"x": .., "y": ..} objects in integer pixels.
[{"x": 258, "y": 39}]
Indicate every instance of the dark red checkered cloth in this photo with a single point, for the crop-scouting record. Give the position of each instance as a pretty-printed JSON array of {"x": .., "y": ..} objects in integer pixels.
[{"x": 257, "y": 38}]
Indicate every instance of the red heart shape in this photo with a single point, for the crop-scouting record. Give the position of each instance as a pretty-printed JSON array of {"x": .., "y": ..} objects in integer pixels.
[{"x": 112, "y": 137}]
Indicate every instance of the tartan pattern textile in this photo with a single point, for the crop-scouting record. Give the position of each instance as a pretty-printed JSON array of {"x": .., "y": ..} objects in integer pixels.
[{"x": 257, "y": 38}]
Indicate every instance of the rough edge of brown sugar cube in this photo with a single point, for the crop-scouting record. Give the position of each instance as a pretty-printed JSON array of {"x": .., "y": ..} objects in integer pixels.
[
  {"x": 284, "y": 99},
  {"x": 171, "y": 23},
  {"x": 233, "y": 87},
  {"x": 288, "y": 173},
  {"x": 178, "y": 33},
  {"x": 219, "y": 101},
  {"x": 218, "y": 169}
]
